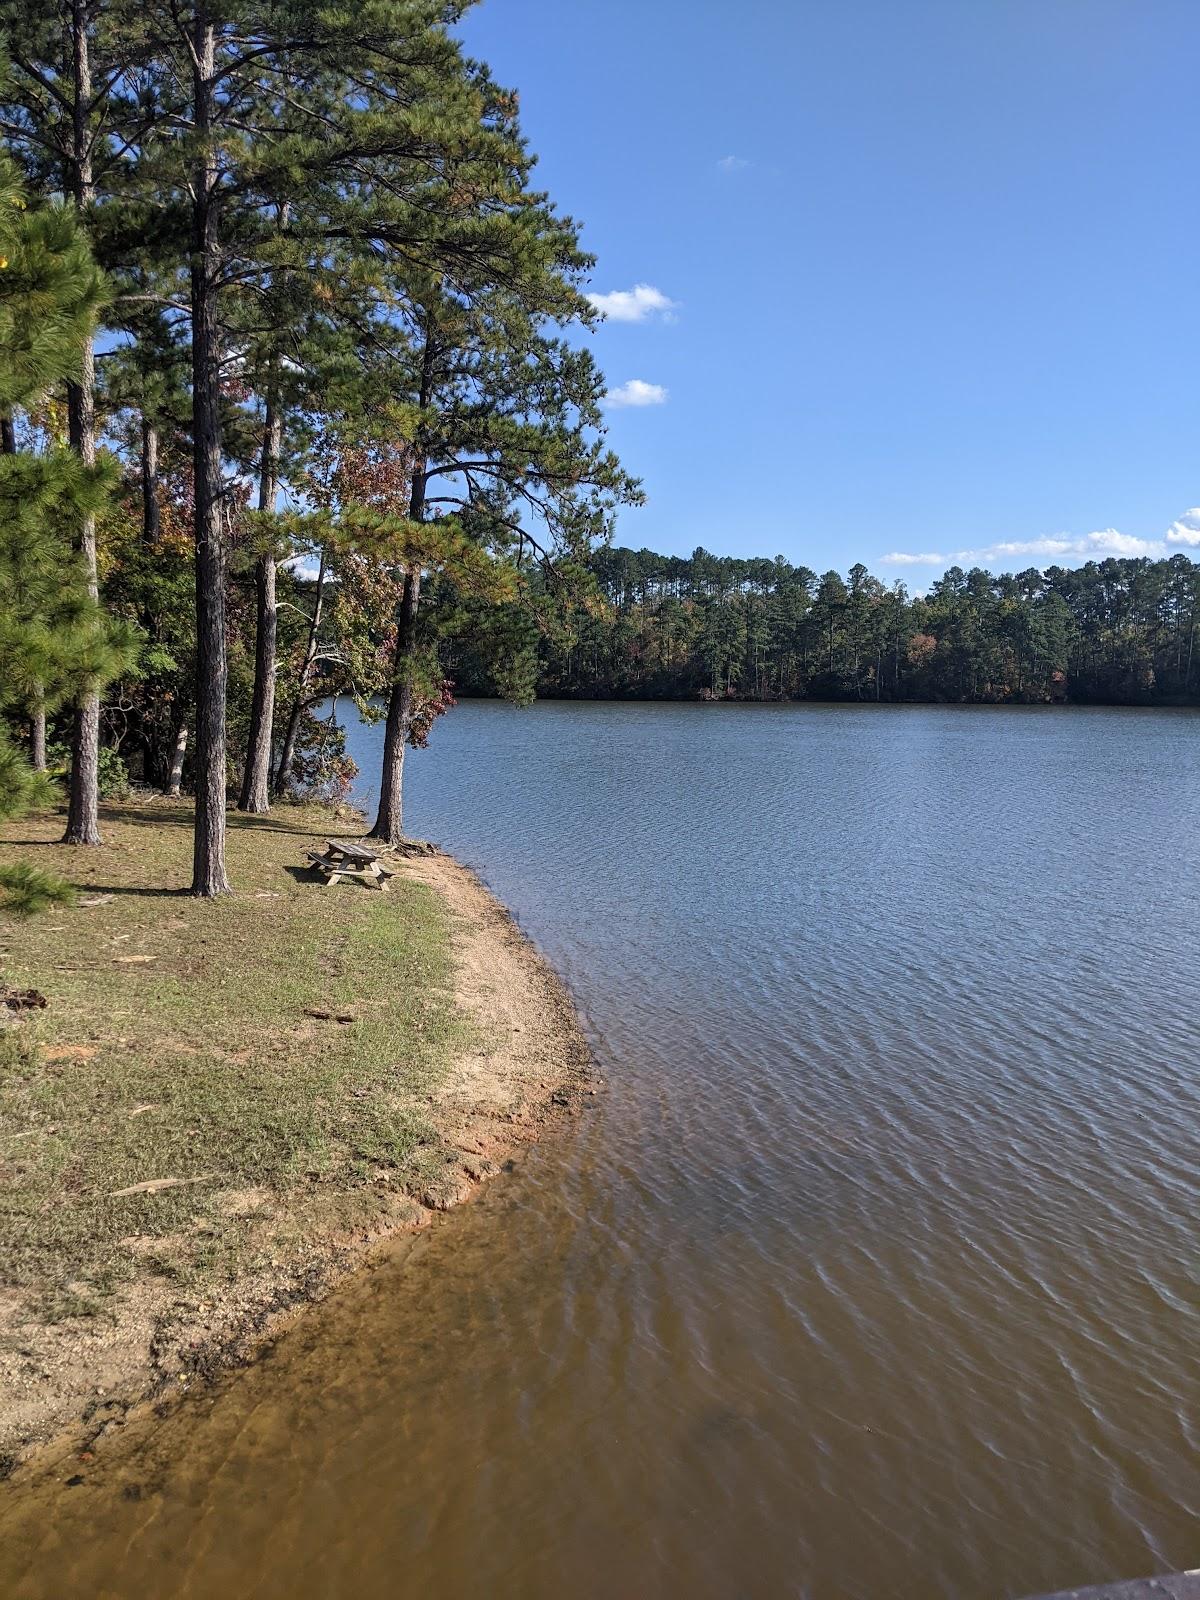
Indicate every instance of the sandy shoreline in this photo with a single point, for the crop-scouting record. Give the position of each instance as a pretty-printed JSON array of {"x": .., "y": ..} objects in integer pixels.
[{"x": 527, "y": 1069}]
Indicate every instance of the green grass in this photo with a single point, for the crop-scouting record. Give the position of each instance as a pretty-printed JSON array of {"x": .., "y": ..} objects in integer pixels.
[{"x": 204, "y": 1062}]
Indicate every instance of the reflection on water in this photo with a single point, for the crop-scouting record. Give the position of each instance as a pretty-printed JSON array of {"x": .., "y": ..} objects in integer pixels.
[{"x": 873, "y": 1274}]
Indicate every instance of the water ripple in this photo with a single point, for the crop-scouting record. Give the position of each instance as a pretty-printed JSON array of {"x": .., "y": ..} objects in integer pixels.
[{"x": 875, "y": 1274}]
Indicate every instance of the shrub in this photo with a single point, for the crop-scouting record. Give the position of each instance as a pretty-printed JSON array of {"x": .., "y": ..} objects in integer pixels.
[
  {"x": 322, "y": 769},
  {"x": 113, "y": 774}
]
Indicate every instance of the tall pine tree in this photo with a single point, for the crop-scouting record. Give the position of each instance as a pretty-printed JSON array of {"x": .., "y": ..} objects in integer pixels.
[
  {"x": 231, "y": 146},
  {"x": 70, "y": 108},
  {"x": 56, "y": 647}
]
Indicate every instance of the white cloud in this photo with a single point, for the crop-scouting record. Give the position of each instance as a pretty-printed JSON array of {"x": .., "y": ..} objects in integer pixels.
[
  {"x": 1108, "y": 542},
  {"x": 1185, "y": 529},
  {"x": 303, "y": 566},
  {"x": 1057, "y": 549},
  {"x": 636, "y": 393},
  {"x": 632, "y": 305},
  {"x": 732, "y": 164},
  {"x": 909, "y": 558}
]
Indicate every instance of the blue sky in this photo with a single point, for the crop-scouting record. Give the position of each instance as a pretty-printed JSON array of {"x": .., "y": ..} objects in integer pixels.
[{"x": 932, "y": 266}]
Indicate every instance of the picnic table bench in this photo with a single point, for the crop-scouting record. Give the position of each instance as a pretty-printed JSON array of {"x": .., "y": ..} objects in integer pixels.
[{"x": 346, "y": 858}]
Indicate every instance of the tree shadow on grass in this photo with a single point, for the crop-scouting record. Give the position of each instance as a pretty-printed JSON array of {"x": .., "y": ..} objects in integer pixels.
[
  {"x": 184, "y": 816},
  {"x": 142, "y": 891},
  {"x": 140, "y": 816},
  {"x": 245, "y": 822}
]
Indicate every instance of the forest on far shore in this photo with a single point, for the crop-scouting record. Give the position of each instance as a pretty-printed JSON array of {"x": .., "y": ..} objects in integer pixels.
[{"x": 1119, "y": 631}]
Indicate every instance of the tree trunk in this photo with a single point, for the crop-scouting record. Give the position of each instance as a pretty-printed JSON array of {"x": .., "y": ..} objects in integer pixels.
[
  {"x": 151, "y": 516},
  {"x": 212, "y": 669},
  {"x": 37, "y": 739},
  {"x": 8, "y": 435},
  {"x": 151, "y": 528},
  {"x": 256, "y": 781},
  {"x": 83, "y": 807},
  {"x": 287, "y": 755},
  {"x": 389, "y": 822},
  {"x": 175, "y": 776}
]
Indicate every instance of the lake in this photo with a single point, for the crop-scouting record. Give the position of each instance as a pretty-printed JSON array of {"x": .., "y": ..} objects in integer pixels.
[{"x": 873, "y": 1273}]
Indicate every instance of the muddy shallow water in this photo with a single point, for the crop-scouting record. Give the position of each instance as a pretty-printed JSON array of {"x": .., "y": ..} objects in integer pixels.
[{"x": 874, "y": 1271}]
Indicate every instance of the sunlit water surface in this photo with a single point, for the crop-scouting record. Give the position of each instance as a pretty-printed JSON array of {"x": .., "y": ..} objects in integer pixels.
[{"x": 874, "y": 1272}]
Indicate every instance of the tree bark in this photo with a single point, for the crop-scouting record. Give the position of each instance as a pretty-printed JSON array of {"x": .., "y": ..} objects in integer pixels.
[
  {"x": 8, "y": 435},
  {"x": 389, "y": 821},
  {"x": 37, "y": 739},
  {"x": 175, "y": 776},
  {"x": 83, "y": 805},
  {"x": 151, "y": 514},
  {"x": 212, "y": 668},
  {"x": 256, "y": 780},
  {"x": 287, "y": 755},
  {"x": 149, "y": 729}
]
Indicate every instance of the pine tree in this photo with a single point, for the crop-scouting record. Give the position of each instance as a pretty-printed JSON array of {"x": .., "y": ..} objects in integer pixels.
[
  {"x": 353, "y": 162},
  {"x": 50, "y": 293},
  {"x": 320, "y": 197},
  {"x": 255, "y": 107},
  {"x": 55, "y": 646},
  {"x": 69, "y": 74},
  {"x": 506, "y": 437},
  {"x": 142, "y": 545}
]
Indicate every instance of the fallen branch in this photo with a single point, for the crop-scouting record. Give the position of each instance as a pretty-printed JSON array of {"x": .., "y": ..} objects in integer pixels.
[{"x": 155, "y": 1184}]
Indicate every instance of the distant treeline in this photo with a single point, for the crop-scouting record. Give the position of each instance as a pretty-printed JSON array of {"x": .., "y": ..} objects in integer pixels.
[{"x": 1116, "y": 631}]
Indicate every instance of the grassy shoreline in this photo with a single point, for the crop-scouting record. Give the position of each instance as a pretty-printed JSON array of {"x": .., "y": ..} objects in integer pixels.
[{"x": 224, "y": 1103}]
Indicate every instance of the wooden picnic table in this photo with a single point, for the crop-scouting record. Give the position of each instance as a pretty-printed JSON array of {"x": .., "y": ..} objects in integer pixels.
[
  {"x": 343, "y": 858},
  {"x": 353, "y": 850}
]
